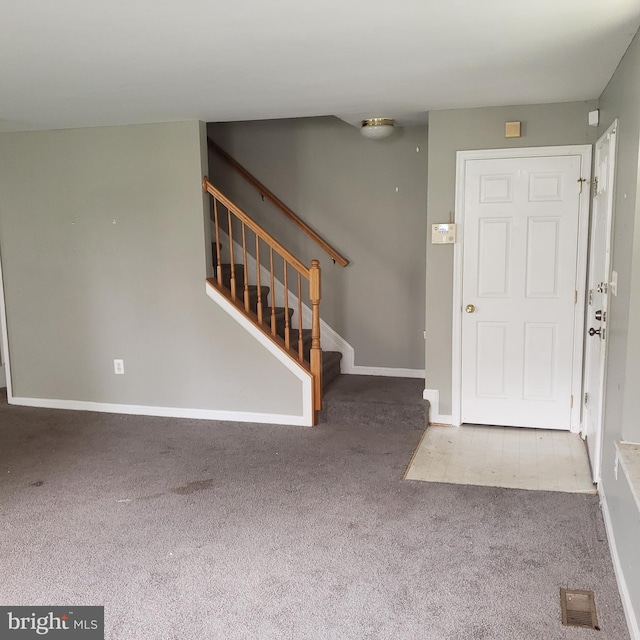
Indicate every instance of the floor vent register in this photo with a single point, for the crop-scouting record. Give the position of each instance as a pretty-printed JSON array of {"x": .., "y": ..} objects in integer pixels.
[{"x": 578, "y": 608}]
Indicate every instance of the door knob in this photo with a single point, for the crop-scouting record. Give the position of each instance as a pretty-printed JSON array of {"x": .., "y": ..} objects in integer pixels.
[{"x": 469, "y": 308}]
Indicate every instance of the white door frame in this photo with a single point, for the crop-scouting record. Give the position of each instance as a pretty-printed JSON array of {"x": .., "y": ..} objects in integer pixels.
[
  {"x": 584, "y": 151},
  {"x": 4, "y": 337},
  {"x": 596, "y": 464}
]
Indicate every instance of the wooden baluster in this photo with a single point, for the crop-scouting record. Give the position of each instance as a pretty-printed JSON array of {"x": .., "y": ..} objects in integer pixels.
[
  {"x": 232, "y": 283},
  {"x": 217, "y": 241},
  {"x": 258, "y": 278},
  {"x": 287, "y": 328},
  {"x": 273, "y": 298},
  {"x": 300, "y": 344},
  {"x": 244, "y": 266},
  {"x": 316, "y": 352}
]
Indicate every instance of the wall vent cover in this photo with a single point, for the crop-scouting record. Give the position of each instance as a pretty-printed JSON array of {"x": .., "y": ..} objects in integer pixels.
[{"x": 578, "y": 608}]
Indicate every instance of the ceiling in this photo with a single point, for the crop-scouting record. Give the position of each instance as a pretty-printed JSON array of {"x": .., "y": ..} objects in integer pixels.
[{"x": 83, "y": 63}]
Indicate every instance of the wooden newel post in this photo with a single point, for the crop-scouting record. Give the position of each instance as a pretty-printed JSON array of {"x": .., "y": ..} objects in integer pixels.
[{"x": 316, "y": 352}]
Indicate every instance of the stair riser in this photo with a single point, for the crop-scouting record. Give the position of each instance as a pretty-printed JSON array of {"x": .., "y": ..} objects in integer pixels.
[
  {"x": 377, "y": 415},
  {"x": 329, "y": 374}
]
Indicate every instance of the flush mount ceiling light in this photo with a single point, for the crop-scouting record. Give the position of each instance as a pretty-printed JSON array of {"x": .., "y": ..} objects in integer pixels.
[{"x": 377, "y": 128}]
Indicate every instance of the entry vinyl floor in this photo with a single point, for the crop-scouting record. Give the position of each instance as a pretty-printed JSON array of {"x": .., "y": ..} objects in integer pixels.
[{"x": 509, "y": 457}]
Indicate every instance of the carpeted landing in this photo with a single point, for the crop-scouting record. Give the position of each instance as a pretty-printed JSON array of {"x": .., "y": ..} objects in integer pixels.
[
  {"x": 191, "y": 529},
  {"x": 376, "y": 401}
]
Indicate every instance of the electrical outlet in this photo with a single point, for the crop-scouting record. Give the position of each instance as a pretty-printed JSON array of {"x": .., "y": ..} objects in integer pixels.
[{"x": 118, "y": 367}]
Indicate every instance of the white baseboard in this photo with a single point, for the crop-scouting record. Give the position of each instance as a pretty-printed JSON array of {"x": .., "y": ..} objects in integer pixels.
[
  {"x": 389, "y": 372},
  {"x": 625, "y": 596},
  {"x": 348, "y": 365},
  {"x": 165, "y": 412},
  {"x": 435, "y": 417}
]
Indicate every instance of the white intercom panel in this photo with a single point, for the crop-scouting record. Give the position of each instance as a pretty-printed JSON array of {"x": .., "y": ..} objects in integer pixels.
[{"x": 443, "y": 233}]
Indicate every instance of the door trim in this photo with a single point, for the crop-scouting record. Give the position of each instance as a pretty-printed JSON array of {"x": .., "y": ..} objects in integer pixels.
[
  {"x": 596, "y": 464},
  {"x": 4, "y": 338},
  {"x": 584, "y": 151}
]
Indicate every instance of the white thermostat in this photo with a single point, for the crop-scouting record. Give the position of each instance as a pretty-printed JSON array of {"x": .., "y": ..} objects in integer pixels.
[{"x": 443, "y": 233}]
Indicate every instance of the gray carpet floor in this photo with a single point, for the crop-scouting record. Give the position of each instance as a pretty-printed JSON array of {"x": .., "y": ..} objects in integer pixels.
[{"x": 200, "y": 530}]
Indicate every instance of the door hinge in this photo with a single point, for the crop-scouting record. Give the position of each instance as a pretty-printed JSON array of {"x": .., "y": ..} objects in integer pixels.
[
  {"x": 586, "y": 400},
  {"x": 595, "y": 187},
  {"x": 572, "y": 402},
  {"x": 591, "y": 296},
  {"x": 603, "y": 287}
]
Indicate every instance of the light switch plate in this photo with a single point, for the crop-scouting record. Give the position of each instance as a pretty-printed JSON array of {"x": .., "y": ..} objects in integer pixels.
[{"x": 443, "y": 233}]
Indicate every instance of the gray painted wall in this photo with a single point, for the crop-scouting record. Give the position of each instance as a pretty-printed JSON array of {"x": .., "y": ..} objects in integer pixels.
[
  {"x": 465, "y": 129},
  {"x": 344, "y": 186},
  {"x": 103, "y": 241},
  {"x": 621, "y": 100}
]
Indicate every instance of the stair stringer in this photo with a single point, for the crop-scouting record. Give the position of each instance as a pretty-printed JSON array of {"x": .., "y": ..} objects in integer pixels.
[{"x": 305, "y": 377}]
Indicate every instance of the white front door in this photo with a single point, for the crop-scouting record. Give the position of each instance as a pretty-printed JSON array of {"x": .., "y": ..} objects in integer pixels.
[
  {"x": 598, "y": 293},
  {"x": 519, "y": 290}
]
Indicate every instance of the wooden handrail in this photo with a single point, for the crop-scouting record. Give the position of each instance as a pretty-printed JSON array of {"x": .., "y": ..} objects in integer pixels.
[
  {"x": 255, "y": 227},
  {"x": 335, "y": 256}
]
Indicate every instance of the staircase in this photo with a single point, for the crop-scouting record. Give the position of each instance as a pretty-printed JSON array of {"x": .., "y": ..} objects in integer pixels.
[
  {"x": 248, "y": 263},
  {"x": 245, "y": 276},
  {"x": 280, "y": 317}
]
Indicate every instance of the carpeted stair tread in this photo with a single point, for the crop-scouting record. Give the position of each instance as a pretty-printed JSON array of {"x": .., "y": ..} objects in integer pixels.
[
  {"x": 306, "y": 341},
  {"x": 226, "y": 275},
  {"x": 253, "y": 297},
  {"x": 280, "y": 313},
  {"x": 306, "y": 336},
  {"x": 253, "y": 293}
]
